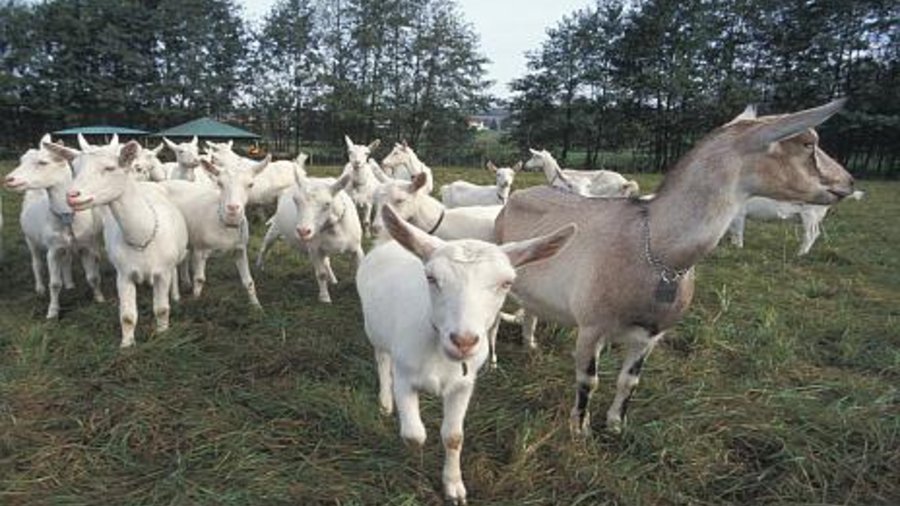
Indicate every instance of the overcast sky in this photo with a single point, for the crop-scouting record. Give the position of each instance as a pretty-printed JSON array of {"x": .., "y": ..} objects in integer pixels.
[{"x": 507, "y": 29}]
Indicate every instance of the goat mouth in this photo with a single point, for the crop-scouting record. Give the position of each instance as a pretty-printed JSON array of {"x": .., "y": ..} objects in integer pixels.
[
  {"x": 840, "y": 193},
  {"x": 79, "y": 205},
  {"x": 15, "y": 185}
]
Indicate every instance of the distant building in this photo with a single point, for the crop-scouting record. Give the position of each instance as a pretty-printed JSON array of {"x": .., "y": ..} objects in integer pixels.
[{"x": 492, "y": 119}]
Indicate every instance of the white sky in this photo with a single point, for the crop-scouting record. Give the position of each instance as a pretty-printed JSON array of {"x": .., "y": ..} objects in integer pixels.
[{"x": 507, "y": 29}]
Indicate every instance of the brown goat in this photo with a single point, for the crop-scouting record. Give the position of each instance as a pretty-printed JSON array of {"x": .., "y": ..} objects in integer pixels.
[{"x": 627, "y": 275}]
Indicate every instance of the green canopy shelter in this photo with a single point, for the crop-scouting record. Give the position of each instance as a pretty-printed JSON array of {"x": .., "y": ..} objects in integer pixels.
[
  {"x": 207, "y": 128},
  {"x": 102, "y": 130}
]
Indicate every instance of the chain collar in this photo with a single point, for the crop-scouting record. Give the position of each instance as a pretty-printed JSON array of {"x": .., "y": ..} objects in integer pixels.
[
  {"x": 666, "y": 273},
  {"x": 142, "y": 246}
]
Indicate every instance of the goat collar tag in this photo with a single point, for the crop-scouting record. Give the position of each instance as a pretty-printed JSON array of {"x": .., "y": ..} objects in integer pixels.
[
  {"x": 669, "y": 278},
  {"x": 465, "y": 369},
  {"x": 439, "y": 221}
]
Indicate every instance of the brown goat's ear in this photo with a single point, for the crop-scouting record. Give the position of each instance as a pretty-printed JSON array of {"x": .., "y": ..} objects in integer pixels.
[
  {"x": 128, "y": 153},
  {"x": 525, "y": 252},
  {"x": 788, "y": 125},
  {"x": 416, "y": 241},
  {"x": 418, "y": 182}
]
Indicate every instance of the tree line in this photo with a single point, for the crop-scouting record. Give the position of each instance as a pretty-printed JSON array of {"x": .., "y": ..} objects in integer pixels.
[
  {"x": 649, "y": 78},
  {"x": 622, "y": 84}
]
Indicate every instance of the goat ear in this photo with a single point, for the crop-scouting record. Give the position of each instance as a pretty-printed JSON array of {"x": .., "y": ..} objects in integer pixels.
[
  {"x": 171, "y": 145},
  {"x": 788, "y": 125},
  {"x": 301, "y": 159},
  {"x": 416, "y": 241},
  {"x": 128, "y": 153},
  {"x": 341, "y": 183},
  {"x": 158, "y": 148},
  {"x": 261, "y": 165},
  {"x": 418, "y": 182},
  {"x": 83, "y": 143},
  {"x": 299, "y": 176},
  {"x": 230, "y": 143},
  {"x": 749, "y": 112},
  {"x": 63, "y": 152},
  {"x": 348, "y": 142},
  {"x": 374, "y": 145},
  {"x": 491, "y": 167},
  {"x": 208, "y": 166},
  {"x": 525, "y": 252},
  {"x": 115, "y": 141},
  {"x": 404, "y": 144},
  {"x": 518, "y": 166},
  {"x": 534, "y": 152},
  {"x": 46, "y": 138},
  {"x": 194, "y": 141}
]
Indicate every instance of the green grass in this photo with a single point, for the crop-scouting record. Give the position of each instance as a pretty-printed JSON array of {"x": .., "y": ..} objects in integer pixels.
[{"x": 780, "y": 386}]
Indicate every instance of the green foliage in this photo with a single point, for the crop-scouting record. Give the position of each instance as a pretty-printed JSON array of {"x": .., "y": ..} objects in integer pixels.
[
  {"x": 656, "y": 76},
  {"x": 779, "y": 387}
]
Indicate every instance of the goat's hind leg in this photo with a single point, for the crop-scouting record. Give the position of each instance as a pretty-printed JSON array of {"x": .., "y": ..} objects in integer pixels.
[
  {"x": 385, "y": 381},
  {"x": 638, "y": 345},
  {"x": 37, "y": 267},
  {"x": 161, "y": 287},
  {"x": 587, "y": 348}
]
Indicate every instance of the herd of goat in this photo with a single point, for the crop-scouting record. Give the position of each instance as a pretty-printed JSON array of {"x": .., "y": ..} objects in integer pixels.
[{"x": 585, "y": 250}]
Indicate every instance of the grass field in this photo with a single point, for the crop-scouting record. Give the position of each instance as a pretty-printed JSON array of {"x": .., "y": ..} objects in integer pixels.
[{"x": 780, "y": 386}]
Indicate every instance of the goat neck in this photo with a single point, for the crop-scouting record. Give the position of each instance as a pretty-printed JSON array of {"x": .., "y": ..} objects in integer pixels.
[{"x": 135, "y": 214}]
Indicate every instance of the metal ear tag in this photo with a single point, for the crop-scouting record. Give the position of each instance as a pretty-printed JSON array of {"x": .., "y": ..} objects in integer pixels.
[{"x": 666, "y": 290}]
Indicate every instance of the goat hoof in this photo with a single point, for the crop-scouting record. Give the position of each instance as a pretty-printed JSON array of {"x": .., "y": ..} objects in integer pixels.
[
  {"x": 580, "y": 428},
  {"x": 40, "y": 290},
  {"x": 455, "y": 493},
  {"x": 53, "y": 314},
  {"x": 386, "y": 411},
  {"x": 99, "y": 298},
  {"x": 325, "y": 299}
]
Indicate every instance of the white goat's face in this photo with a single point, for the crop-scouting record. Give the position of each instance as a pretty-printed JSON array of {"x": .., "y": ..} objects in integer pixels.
[
  {"x": 404, "y": 197},
  {"x": 38, "y": 168},
  {"x": 538, "y": 159},
  {"x": 359, "y": 154},
  {"x": 467, "y": 283},
  {"x": 318, "y": 206},
  {"x": 102, "y": 175},
  {"x": 505, "y": 177},
  {"x": 468, "y": 280},
  {"x": 401, "y": 156},
  {"x": 187, "y": 154},
  {"x": 234, "y": 184},
  {"x": 147, "y": 166}
]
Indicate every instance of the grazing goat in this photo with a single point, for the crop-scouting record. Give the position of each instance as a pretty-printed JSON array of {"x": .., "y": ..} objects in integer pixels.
[
  {"x": 762, "y": 208},
  {"x": 402, "y": 163},
  {"x": 50, "y": 225},
  {"x": 598, "y": 183},
  {"x": 146, "y": 235},
  {"x": 216, "y": 221},
  {"x": 411, "y": 201},
  {"x": 628, "y": 276},
  {"x": 428, "y": 305},
  {"x": 363, "y": 181},
  {"x": 317, "y": 216},
  {"x": 464, "y": 193}
]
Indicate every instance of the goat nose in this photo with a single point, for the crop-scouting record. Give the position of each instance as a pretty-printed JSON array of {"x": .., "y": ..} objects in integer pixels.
[
  {"x": 303, "y": 232},
  {"x": 464, "y": 342},
  {"x": 73, "y": 194},
  {"x": 233, "y": 208}
]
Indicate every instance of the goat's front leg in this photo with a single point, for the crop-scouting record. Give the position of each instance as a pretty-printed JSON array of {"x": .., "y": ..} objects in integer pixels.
[
  {"x": 184, "y": 272},
  {"x": 587, "y": 348},
  {"x": 90, "y": 262},
  {"x": 736, "y": 230},
  {"x": 529, "y": 325},
  {"x": 198, "y": 265},
  {"x": 272, "y": 235},
  {"x": 810, "y": 232},
  {"x": 37, "y": 267},
  {"x": 492, "y": 340},
  {"x": 322, "y": 276},
  {"x": 65, "y": 265},
  {"x": 365, "y": 215},
  {"x": 638, "y": 345},
  {"x": 326, "y": 260},
  {"x": 456, "y": 402},
  {"x": 412, "y": 430},
  {"x": 173, "y": 286},
  {"x": 243, "y": 267},
  {"x": 385, "y": 380},
  {"x": 55, "y": 269},
  {"x": 162, "y": 284},
  {"x": 127, "y": 308}
]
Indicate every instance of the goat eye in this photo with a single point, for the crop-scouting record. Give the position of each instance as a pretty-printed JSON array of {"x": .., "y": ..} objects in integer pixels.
[
  {"x": 506, "y": 285},
  {"x": 110, "y": 168},
  {"x": 250, "y": 185},
  {"x": 809, "y": 145},
  {"x": 431, "y": 280}
]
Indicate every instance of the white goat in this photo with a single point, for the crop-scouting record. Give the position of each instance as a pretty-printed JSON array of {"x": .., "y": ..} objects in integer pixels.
[
  {"x": 428, "y": 305},
  {"x": 411, "y": 201},
  {"x": 317, "y": 216},
  {"x": 50, "y": 225},
  {"x": 187, "y": 161},
  {"x": 216, "y": 220},
  {"x": 363, "y": 179},
  {"x": 598, "y": 183},
  {"x": 145, "y": 234},
  {"x": 268, "y": 185},
  {"x": 147, "y": 166},
  {"x": 464, "y": 193},
  {"x": 403, "y": 163},
  {"x": 763, "y": 208}
]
